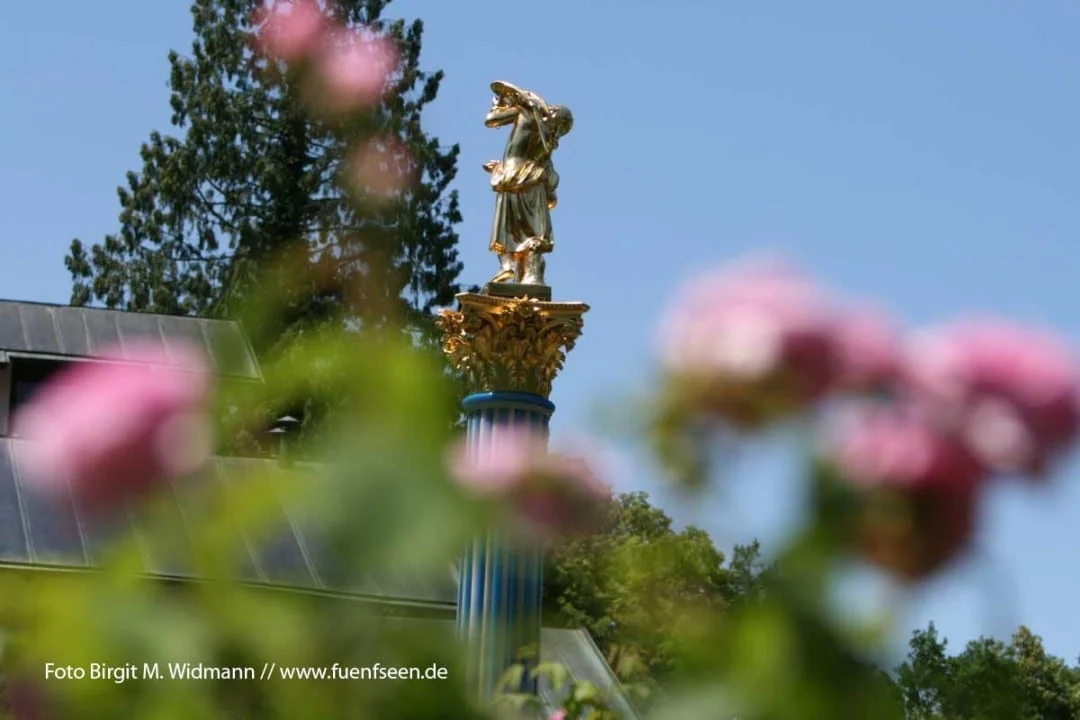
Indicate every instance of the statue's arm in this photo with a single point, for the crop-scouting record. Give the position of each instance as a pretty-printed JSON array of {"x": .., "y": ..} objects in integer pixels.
[{"x": 499, "y": 116}]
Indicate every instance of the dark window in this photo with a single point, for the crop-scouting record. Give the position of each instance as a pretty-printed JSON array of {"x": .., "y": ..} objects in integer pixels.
[{"x": 27, "y": 376}]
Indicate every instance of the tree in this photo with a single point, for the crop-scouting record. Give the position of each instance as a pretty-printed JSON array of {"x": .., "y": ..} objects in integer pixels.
[
  {"x": 926, "y": 675},
  {"x": 989, "y": 680},
  {"x": 254, "y": 175},
  {"x": 633, "y": 582}
]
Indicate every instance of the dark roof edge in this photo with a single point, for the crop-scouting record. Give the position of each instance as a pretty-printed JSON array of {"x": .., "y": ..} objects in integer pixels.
[
  {"x": 8, "y": 355},
  {"x": 427, "y": 607}
]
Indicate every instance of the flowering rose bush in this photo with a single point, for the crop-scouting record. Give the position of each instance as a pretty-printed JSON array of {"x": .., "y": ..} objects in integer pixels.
[{"x": 951, "y": 407}]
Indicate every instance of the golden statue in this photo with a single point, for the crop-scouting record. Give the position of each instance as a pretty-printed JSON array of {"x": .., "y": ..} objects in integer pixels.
[{"x": 525, "y": 181}]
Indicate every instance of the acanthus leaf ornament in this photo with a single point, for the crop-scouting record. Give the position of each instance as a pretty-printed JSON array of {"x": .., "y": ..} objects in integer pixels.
[{"x": 509, "y": 344}]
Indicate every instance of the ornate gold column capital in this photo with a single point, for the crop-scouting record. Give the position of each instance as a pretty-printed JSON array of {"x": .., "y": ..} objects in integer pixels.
[{"x": 509, "y": 344}]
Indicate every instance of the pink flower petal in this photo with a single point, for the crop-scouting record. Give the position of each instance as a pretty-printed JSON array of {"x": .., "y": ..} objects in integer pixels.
[
  {"x": 977, "y": 373},
  {"x": 555, "y": 494},
  {"x": 898, "y": 446},
  {"x": 870, "y": 349},
  {"x": 289, "y": 30},
  {"x": 355, "y": 69}
]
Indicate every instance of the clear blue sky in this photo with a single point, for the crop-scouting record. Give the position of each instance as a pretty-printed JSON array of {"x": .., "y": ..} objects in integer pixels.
[{"x": 922, "y": 153}]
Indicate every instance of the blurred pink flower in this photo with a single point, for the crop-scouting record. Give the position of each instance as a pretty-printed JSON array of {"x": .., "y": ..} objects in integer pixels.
[
  {"x": 759, "y": 336},
  {"x": 1011, "y": 392},
  {"x": 870, "y": 349},
  {"x": 558, "y": 715},
  {"x": 355, "y": 68},
  {"x": 555, "y": 493},
  {"x": 916, "y": 488},
  {"x": 290, "y": 31},
  {"x": 109, "y": 430},
  {"x": 382, "y": 167},
  {"x": 898, "y": 446},
  {"x": 504, "y": 464}
]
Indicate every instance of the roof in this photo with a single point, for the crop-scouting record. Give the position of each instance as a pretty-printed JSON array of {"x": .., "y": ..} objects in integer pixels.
[
  {"x": 43, "y": 532},
  {"x": 65, "y": 332}
]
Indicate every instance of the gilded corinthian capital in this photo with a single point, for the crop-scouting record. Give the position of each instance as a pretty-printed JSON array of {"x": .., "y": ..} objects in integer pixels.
[{"x": 508, "y": 344}]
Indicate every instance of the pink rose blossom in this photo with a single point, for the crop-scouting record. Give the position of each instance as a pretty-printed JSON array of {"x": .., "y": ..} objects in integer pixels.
[
  {"x": 756, "y": 335},
  {"x": 109, "y": 430},
  {"x": 870, "y": 350},
  {"x": 355, "y": 69},
  {"x": 563, "y": 494},
  {"x": 916, "y": 489},
  {"x": 290, "y": 31},
  {"x": 554, "y": 493},
  {"x": 1011, "y": 392},
  {"x": 558, "y": 715},
  {"x": 898, "y": 446}
]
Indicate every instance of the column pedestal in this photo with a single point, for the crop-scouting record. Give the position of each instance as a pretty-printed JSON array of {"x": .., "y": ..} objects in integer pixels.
[
  {"x": 501, "y": 577},
  {"x": 509, "y": 352}
]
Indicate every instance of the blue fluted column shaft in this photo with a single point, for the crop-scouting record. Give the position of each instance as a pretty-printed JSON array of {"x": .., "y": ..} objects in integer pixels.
[{"x": 500, "y": 586}]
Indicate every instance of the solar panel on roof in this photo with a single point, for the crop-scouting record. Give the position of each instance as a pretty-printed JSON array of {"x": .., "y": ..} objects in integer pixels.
[
  {"x": 138, "y": 328},
  {"x": 73, "y": 332},
  {"x": 228, "y": 347},
  {"x": 12, "y": 336},
  {"x": 173, "y": 556},
  {"x": 177, "y": 330},
  {"x": 248, "y": 565},
  {"x": 13, "y": 546},
  {"x": 281, "y": 556},
  {"x": 102, "y": 532},
  {"x": 102, "y": 331},
  {"x": 54, "y": 533},
  {"x": 40, "y": 328},
  {"x": 322, "y": 555}
]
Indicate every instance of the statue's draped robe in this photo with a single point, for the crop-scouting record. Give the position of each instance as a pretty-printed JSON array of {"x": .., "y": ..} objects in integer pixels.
[{"x": 525, "y": 187}]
